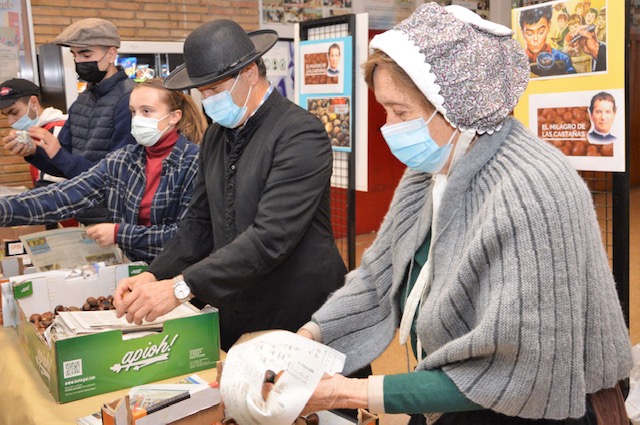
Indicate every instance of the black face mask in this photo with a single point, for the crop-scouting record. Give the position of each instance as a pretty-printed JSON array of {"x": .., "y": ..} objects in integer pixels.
[{"x": 89, "y": 72}]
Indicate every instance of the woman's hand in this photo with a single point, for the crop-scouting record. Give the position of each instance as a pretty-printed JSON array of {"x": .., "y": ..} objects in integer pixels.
[
  {"x": 102, "y": 233},
  {"x": 305, "y": 333},
  {"x": 338, "y": 392}
]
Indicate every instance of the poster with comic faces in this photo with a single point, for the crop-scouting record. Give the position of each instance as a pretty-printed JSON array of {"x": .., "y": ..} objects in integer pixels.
[{"x": 564, "y": 38}]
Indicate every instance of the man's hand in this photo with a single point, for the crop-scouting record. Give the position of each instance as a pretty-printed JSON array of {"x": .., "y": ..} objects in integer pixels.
[
  {"x": 143, "y": 298},
  {"x": 102, "y": 233},
  {"x": 587, "y": 40},
  {"x": 16, "y": 148},
  {"x": 45, "y": 140}
]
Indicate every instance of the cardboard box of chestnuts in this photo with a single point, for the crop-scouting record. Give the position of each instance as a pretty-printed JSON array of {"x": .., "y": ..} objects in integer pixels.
[{"x": 88, "y": 365}]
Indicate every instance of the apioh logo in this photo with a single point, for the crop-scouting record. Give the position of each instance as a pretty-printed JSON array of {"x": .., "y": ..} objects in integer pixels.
[{"x": 142, "y": 357}]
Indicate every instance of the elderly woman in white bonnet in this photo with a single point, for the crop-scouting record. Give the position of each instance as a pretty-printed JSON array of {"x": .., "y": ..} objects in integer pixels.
[{"x": 489, "y": 260}]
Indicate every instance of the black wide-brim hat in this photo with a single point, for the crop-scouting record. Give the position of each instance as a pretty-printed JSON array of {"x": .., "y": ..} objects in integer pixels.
[{"x": 216, "y": 50}]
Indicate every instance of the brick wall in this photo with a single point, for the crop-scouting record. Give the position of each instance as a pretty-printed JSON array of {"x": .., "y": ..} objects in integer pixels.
[{"x": 148, "y": 20}]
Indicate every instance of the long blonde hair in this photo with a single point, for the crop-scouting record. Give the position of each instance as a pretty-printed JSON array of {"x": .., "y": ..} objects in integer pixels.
[{"x": 192, "y": 124}]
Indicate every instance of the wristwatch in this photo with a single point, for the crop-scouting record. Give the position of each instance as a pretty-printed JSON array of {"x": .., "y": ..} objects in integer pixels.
[{"x": 181, "y": 290}]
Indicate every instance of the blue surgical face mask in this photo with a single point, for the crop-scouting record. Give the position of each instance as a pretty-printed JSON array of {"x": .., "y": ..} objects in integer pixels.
[
  {"x": 222, "y": 109},
  {"x": 412, "y": 144},
  {"x": 25, "y": 123}
]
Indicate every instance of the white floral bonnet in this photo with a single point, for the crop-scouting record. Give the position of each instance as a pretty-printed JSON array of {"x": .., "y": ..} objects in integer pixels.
[{"x": 471, "y": 70}]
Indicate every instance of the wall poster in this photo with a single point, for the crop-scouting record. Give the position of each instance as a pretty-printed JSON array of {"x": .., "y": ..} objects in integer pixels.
[
  {"x": 326, "y": 81},
  {"x": 17, "y": 48},
  {"x": 564, "y": 39},
  {"x": 10, "y": 39},
  {"x": 586, "y": 126},
  {"x": 576, "y": 95},
  {"x": 280, "y": 15}
]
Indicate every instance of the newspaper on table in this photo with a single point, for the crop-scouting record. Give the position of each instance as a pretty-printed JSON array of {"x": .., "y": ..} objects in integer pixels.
[
  {"x": 67, "y": 248},
  {"x": 298, "y": 362},
  {"x": 71, "y": 323}
]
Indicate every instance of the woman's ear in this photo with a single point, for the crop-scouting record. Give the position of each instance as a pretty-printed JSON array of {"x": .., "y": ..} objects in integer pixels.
[{"x": 175, "y": 117}]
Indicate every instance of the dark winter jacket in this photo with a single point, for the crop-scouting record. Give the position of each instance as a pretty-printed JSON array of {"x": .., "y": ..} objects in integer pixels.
[{"x": 99, "y": 122}]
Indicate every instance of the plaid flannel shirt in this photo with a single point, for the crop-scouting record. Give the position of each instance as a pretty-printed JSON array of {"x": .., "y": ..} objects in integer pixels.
[{"x": 119, "y": 180}]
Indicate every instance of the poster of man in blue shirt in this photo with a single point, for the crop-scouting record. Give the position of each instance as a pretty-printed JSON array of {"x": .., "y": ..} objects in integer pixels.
[{"x": 535, "y": 24}]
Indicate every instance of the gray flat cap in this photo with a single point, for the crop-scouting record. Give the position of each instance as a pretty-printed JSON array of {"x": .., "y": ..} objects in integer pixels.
[{"x": 89, "y": 32}]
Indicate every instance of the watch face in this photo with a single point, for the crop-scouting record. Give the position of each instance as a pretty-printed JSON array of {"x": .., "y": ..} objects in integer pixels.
[{"x": 181, "y": 291}]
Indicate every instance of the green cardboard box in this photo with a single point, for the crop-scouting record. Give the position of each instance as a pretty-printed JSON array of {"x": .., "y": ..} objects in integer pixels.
[{"x": 89, "y": 365}]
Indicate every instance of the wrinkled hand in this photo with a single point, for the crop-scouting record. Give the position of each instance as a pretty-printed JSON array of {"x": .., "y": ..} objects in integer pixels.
[
  {"x": 45, "y": 140},
  {"x": 102, "y": 233},
  {"x": 16, "y": 148},
  {"x": 143, "y": 298},
  {"x": 338, "y": 392}
]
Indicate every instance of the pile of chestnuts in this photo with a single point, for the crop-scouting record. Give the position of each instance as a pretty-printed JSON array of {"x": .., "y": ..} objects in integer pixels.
[{"x": 44, "y": 320}]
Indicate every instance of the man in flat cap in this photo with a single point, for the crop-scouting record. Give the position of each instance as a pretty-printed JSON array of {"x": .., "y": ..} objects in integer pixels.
[
  {"x": 99, "y": 120},
  {"x": 257, "y": 241}
]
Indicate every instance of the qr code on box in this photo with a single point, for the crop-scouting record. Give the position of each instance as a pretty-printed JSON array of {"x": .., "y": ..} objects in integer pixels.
[{"x": 72, "y": 368}]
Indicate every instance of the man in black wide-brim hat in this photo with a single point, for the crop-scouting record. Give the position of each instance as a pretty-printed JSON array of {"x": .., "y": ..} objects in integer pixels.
[{"x": 257, "y": 240}]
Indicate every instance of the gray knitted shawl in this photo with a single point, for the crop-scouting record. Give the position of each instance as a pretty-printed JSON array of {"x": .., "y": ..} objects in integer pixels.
[{"x": 523, "y": 313}]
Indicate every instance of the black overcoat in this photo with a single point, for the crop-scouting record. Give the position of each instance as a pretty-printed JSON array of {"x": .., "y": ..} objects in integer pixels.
[{"x": 257, "y": 241}]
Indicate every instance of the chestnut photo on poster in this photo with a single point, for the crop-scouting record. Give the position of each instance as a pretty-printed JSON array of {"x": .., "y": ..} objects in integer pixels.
[
  {"x": 588, "y": 127},
  {"x": 334, "y": 114}
]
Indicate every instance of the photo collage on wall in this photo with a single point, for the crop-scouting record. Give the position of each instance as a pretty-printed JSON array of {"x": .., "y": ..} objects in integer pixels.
[{"x": 292, "y": 11}]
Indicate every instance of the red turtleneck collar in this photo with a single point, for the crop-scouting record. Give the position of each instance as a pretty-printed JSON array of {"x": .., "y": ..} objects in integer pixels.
[
  {"x": 153, "y": 170},
  {"x": 164, "y": 146}
]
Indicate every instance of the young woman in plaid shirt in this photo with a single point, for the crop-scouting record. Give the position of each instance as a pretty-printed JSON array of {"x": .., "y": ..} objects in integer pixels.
[{"x": 146, "y": 186}]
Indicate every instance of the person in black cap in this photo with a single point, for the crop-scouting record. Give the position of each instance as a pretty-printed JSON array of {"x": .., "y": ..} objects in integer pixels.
[
  {"x": 257, "y": 241},
  {"x": 99, "y": 120},
  {"x": 20, "y": 103}
]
